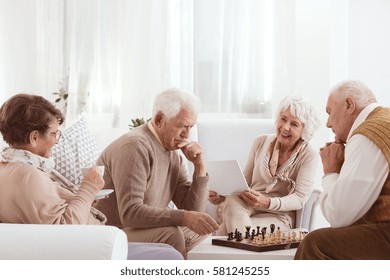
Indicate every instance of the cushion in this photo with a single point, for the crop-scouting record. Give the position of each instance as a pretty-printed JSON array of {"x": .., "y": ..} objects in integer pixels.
[{"x": 76, "y": 149}]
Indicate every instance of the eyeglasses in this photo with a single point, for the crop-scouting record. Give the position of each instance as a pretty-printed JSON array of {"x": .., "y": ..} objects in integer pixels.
[{"x": 57, "y": 134}]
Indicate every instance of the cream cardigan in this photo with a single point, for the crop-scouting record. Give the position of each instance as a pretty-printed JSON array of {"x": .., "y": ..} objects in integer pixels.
[{"x": 30, "y": 196}]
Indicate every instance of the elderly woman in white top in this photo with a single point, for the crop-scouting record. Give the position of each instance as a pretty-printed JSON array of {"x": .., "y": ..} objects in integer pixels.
[{"x": 280, "y": 172}]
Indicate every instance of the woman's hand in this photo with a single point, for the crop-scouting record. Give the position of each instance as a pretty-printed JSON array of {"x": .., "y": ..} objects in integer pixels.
[
  {"x": 215, "y": 198},
  {"x": 255, "y": 199},
  {"x": 94, "y": 177}
]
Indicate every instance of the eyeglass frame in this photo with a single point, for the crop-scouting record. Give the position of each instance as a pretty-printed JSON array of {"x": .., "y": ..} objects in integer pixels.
[{"x": 57, "y": 134}]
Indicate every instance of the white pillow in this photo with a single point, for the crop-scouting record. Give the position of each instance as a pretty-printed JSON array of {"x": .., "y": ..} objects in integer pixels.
[{"x": 75, "y": 150}]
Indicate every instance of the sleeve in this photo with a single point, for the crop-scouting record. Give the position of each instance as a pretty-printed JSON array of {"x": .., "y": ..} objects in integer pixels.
[
  {"x": 51, "y": 204},
  {"x": 193, "y": 195},
  {"x": 347, "y": 196},
  {"x": 304, "y": 184}
]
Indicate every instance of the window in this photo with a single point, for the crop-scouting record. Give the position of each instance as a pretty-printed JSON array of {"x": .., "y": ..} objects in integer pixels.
[{"x": 233, "y": 57}]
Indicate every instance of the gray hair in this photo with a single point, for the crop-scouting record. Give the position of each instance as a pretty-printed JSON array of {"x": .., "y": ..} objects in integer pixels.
[
  {"x": 304, "y": 111},
  {"x": 356, "y": 90},
  {"x": 171, "y": 101}
]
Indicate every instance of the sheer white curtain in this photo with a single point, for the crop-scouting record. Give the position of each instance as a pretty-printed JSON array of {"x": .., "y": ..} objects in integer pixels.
[
  {"x": 30, "y": 47},
  {"x": 114, "y": 56},
  {"x": 119, "y": 54},
  {"x": 158, "y": 54},
  {"x": 92, "y": 57},
  {"x": 236, "y": 53}
]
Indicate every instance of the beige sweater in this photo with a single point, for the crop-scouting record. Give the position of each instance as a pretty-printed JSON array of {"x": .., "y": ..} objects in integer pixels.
[
  {"x": 303, "y": 173},
  {"x": 29, "y": 196},
  {"x": 146, "y": 177}
]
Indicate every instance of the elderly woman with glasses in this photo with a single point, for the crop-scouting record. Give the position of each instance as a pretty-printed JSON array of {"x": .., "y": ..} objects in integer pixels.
[{"x": 30, "y": 191}]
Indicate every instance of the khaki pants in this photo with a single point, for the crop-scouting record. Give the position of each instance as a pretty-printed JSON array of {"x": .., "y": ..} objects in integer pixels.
[
  {"x": 181, "y": 238},
  {"x": 237, "y": 215},
  {"x": 356, "y": 242}
]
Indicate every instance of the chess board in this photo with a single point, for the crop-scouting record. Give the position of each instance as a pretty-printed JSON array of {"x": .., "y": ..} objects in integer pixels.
[{"x": 247, "y": 244}]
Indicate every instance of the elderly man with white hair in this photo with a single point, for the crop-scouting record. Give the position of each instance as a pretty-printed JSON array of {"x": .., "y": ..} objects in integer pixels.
[
  {"x": 280, "y": 172},
  {"x": 356, "y": 182},
  {"x": 147, "y": 172}
]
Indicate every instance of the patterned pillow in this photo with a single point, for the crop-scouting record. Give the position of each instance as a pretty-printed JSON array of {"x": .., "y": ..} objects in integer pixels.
[{"x": 75, "y": 150}]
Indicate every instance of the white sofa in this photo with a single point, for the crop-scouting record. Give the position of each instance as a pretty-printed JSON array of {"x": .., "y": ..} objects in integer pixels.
[
  {"x": 62, "y": 242},
  {"x": 226, "y": 139}
]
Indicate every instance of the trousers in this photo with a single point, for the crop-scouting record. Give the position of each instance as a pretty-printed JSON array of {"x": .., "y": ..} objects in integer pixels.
[
  {"x": 356, "y": 242},
  {"x": 237, "y": 215},
  {"x": 181, "y": 238}
]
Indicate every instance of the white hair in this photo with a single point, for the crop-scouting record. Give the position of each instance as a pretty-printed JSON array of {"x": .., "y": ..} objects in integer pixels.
[
  {"x": 356, "y": 90},
  {"x": 171, "y": 101},
  {"x": 304, "y": 111}
]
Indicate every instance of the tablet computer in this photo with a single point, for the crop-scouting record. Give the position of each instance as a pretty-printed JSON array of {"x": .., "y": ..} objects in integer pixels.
[{"x": 226, "y": 177}]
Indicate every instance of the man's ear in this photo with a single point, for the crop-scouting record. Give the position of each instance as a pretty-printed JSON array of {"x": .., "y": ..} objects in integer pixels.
[
  {"x": 351, "y": 105},
  {"x": 158, "y": 119}
]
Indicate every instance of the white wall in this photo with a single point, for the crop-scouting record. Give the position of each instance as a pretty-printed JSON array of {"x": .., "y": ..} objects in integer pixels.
[{"x": 369, "y": 45}]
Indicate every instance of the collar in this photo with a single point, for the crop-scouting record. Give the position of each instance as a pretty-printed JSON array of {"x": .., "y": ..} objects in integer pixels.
[
  {"x": 151, "y": 128},
  {"x": 362, "y": 117},
  {"x": 9, "y": 154}
]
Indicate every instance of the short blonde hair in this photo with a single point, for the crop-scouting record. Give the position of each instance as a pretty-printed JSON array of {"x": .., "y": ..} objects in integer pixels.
[{"x": 304, "y": 111}]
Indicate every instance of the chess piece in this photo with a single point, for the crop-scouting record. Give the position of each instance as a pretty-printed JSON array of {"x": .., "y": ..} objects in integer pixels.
[
  {"x": 278, "y": 235},
  {"x": 272, "y": 227},
  {"x": 247, "y": 232},
  {"x": 294, "y": 236},
  {"x": 253, "y": 234},
  {"x": 239, "y": 237},
  {"x": 288, "y": 237},
  {"x": 263, "y": 231},
  {"x": 258, "y": 231},
  {"x": 235, "y": 233}
]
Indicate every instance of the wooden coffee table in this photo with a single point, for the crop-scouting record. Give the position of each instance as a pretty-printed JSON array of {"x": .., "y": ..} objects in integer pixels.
[{"x": 206, "y": 251}]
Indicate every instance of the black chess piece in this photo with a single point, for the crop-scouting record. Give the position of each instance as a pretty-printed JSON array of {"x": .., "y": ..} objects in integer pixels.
[
  {"x": 258, "y": 231},
  {"x": 247, "y": 232},
  {"x": 263, "y": 232},
  {"x": 235, "y": 233},
  {"x": 253, "y": 234},
  {"x": 272, "y": 227},
  {"x": 230, "y": 236},
  {"x": 239, "y": 237}
]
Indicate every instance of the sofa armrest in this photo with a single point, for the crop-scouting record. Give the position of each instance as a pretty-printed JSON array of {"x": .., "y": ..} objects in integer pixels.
[
  {"x": 62, "y": 242},
  {"x": 310, "y": 216}
]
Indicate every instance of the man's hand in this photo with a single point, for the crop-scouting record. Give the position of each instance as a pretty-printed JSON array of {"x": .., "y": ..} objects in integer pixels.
[
  {"x": 255, "y": 199},
  {"x": 192, "y": 150},
  {"x": 194, "y": 153},
  {"x": 199, "y": 222},
  {"x": 332, "y": 156}
]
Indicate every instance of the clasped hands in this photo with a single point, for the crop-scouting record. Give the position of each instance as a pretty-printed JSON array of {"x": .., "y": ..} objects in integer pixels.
[{"x": 332, "y": 156}]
